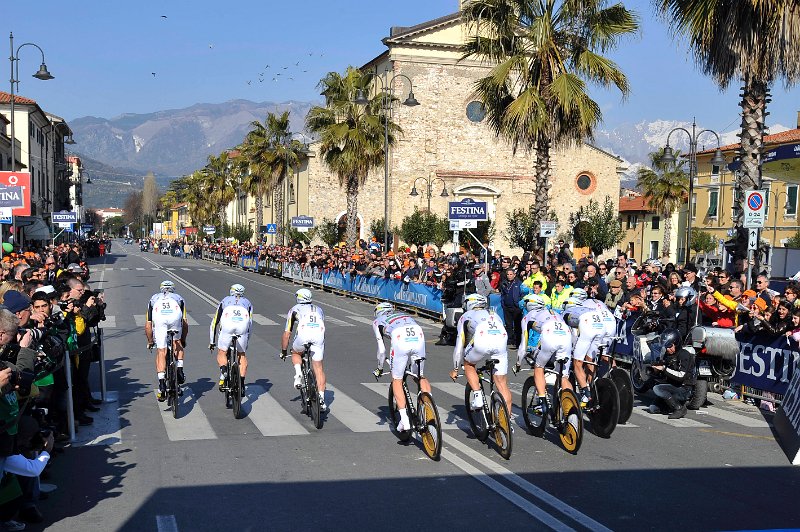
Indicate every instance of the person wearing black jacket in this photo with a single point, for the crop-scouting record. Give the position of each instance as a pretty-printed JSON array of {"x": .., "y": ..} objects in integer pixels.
[
  {"x": 454, "y": 286},
  {"x": 677, "y": 373}
]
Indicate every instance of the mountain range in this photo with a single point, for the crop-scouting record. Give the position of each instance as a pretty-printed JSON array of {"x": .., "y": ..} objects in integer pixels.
[{"x": 118, "y": 152}]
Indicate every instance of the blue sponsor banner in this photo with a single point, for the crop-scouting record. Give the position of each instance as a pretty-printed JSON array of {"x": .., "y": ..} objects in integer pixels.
[
  {"x": 336, "y": 281},
  {"x": 249, "y": 262},
  {"x": 415, "y": 295},
  {"x": 495, "y": 302},
  {"x": 369, "y": 286},
  {"x": 766, "y": 363}
]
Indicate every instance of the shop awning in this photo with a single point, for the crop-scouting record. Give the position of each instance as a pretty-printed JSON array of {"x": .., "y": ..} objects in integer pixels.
[{"x": 33, "y": 228}]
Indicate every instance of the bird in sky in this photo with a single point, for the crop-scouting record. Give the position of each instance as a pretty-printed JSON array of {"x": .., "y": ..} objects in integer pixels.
[
  {"x": 285, "y": 68},
  {"x": 261, "y": 80},
  {"x": 305, "y": 70},
  {"x": 211, "y": 46},
  {"x": 266, "y": 66},
  {"x": 278, "y": 74},
  {"x": 310, "y": 54},
  {"x": 163, "y": 16},
  {"x": 274, "y": 79},
  {"x": 291, "y": 79},
  {"x": 249, "y": 81},
  {"x": 297, "y": 64},
  {"x": 153, "y": 73}
]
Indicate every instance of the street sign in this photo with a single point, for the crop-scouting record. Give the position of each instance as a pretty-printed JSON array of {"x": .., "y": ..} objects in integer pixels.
[
  {"x": 467, "y": 209},
  {"x": 209, "y": 229},
  {"x": 752, "y": 239},
  {"x": 64, "y": 225},
  {"x": 455, "y": 237},
  {"x": 457, "y": 225},
  {"x": 5, "y": 215},
  {"x": 183, "y": 232},
  {"x": 11, "y": 197},
  {"x": 302, "y": 221},
  {"x": 22, "y": 180},
  {"x": 755, "y": 208},
  {"x": 272, "y": 229},
  {"x": 69, "y": 217},
  {"x": 547, "y": 229}
]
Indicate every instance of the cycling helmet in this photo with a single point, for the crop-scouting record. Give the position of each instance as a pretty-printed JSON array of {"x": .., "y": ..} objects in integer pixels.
[
  {"x": 167, "y": 286},
  {"x": 476, "y": 301},
  {"x": 383, "y": 308},
  {"x": 688, "y": 292},
  {"x": 669, "y": 338},
  {"x": 303, "y": 295},
  {"x": 534, "y": 302},
  {"x": 572, "y": 302},
  {"x": 579, "y": 295},
  {"x": 237, "y": 290}
]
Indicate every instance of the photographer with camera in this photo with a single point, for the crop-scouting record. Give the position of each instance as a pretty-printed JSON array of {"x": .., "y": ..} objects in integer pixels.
[{"x": 676, "y": 374}]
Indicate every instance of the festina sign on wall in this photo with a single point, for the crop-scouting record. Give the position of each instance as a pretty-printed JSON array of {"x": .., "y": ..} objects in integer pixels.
[
  {"x": 64, "y": 217},
  {"x": 23, "y": 181},
  {"x": 302, "y": 221},
  {"x": 467, "y": 209},
  {"x": 11, "y": 197}
]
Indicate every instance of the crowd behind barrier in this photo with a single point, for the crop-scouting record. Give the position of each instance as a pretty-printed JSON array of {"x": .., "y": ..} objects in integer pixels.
[
  {"x": 766, "y": 321},
  {"x": 51, "y": 319}
]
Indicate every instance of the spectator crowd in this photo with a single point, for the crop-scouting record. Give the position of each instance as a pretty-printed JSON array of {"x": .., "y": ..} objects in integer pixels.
[{"x": 48, "y": 319}]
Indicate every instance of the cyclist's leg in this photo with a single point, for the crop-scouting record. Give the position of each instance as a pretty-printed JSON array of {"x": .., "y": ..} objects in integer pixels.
[
  {"x": 472, "y": 357},
  {"x": 501, "y": 375},
  {"x": 424, "y": 384},
  {"x": 582, "y": 347},
  {"x": 317, "y": 352},
  {"x": 399, "y": 363},
  {"x": 160, "y": 339},
  {"x": 241, "y": 348}
]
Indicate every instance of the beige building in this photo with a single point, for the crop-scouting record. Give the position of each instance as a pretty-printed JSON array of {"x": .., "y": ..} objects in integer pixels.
[
  {"x": 644, "y": 230},
  {"x": 446, "y": 140}
]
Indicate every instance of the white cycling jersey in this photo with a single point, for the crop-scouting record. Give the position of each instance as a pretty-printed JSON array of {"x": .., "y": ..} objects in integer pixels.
[
  {"x": 555, "y": 338},
  {"x": 310, "y": 321},
  {"x": 609, "y": 320},
  {"x": 480, "y": 335},
  {"x": 588, "y": 330},
  {"x": 166, "y": 311},
  {"x": 407, "y": 341},
  {"x": 234, "y": 317}
]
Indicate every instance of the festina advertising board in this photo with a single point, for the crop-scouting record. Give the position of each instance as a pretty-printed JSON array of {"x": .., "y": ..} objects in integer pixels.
[
  {"x": 22, "y": 180},
  {"x": 467, "y": 209},
  {"x": 65, "y": 217},
  {"x": 787, "y": 420},
  {"x": 302, "y": 221},
  {"x": 11, "y": 197}
]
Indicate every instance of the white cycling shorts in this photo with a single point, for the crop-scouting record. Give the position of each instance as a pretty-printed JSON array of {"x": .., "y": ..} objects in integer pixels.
[
  {"x": 160, "y": 333},
  {"x": 553, "y": 341},
  {"x": 475, "y": 354},
  {"x": 225, "y": 337},
  {"x": 591, "y": 332},
  {"x": 408, "y": 343},
  {"x": 317, "y": 342}
]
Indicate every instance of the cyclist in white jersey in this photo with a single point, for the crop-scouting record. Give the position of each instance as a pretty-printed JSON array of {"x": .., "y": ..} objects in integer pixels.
[
  {"x": 481, "y": 335},
  {"x": 609, "y": 322},
  {"x": 234, "y": 317},
  {"x": 310, "y": 321},
  {"x": 166, "y": 311},
  {"x": 407, "y": 341},
  {"x": 554, "y": 340},
  {"x": 588, "y": 331}
]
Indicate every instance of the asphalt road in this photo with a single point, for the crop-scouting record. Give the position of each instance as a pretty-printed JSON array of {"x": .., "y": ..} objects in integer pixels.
[{"x": 139, "y": 469}]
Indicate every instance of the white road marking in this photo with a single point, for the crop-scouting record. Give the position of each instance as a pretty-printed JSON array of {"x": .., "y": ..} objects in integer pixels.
[
  {"x": 166, "y": 523},
  {"x": 155, "y": 269},
  {"x": 352, "y": 414},
  {"x": 106, "y": 429},
  {"x": 192, "y": 423},
  {"x": 201, "y": 269},
  {"x": 139, "y": 269},
  {"x": 141, "y": 319},
  {"x": 361, "y": 319},
  {"x": 337, "y": 322},
  {"x": 110, "y": 323},
  {"x": 733, "y": 417},
  {"x": 267, "y": 414},
  {"x": 111, "y": 269},
  {"x": 186, "y": 269},
  {"x": 680, "y": 423},
  {"x": 190, "y": 320},
  {"x": 448, "y": 419},
  {"x": 263, "y": 320},
  {"x": 124, "y": 269},
  {"x": 170, "y": 269},
  {"x": 453, "y": 388}
]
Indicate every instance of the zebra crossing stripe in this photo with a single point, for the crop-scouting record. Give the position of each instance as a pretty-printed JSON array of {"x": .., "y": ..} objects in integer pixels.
[
  {"x": 269, "y": 417},
  {"x": 124, "y": 269},
  {"x": 683, "y": 423},
  {"x": 201, "y": 269},
  {"x": 186, "y": 269},
  {"x": 155, "y": 269},
  {"x": 192, "y": 423},
  {"x": 351, "y": 414},
  {"x": 733, "y": 417},
  {"x": 449, "y": 419},
  {"x": 263, "y": 320},
  {"x": 338, "y": 322},
  {"x": 139, "y": 269},
  {"x": 452, "y": 388},
  {"x": 361, "y": 319},
  {"x": 140, "y": 319},
  {"x": 190, "y": 320},
  {"x": 110, "y": 269}
]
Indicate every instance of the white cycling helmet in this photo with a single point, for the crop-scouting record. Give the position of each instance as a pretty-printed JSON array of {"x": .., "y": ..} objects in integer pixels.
[
  {"x": 303, "y": 295},
  {"x": 579, "y": 295},
  {"x": 237, "y": 290},
  {"x": 534, "y": 302},
  {"x": 383, "y": 308},
  {"x": 167, "y": 286},
  {"x": 476, "y": 301},
  {"x": 572, "y": 302}
]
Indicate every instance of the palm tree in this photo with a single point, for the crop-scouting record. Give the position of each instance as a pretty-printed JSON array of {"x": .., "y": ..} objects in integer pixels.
[
  {"x": 543, "y": 53},
  {"x": 351, "y": 136},
  {"x": 754, "y": 41},
  {"x": 665, "y": 187},
  {"x": 219, "y": 185}
]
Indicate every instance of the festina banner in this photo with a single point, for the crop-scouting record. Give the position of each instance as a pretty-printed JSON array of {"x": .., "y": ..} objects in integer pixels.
[
  {"x": 23, "y": 181},
  {"x": 766, "y": 363}
]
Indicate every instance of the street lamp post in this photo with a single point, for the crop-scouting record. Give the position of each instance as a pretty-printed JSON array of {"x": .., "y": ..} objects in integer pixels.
[
  {"x": 387, "y": 95},
  {"x": 429, "y": 188},
  {"x": 669, "y": 157},
  {"x": 42, "y": 74},
  {"x": 786, "y": 206}
]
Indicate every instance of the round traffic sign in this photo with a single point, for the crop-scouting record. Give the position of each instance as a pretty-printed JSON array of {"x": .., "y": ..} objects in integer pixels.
[{"x": 755, "y": 201}]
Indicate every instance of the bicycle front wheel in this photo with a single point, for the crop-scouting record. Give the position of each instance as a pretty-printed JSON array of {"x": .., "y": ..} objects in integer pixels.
[
  {"x": 605, "y": 410},
  {"x": 623, "y": 382},
  {"x": 313, "y": 400},
  {"x": 235, "y": 384},
  {"x": 502, "y": 425},
  {"x": 394, "y": 416},
  {"x": 477, "y": 418},
  {"x": 430, "y": 425},
  {"x": 571, "y": 421},
  {"x": 532, "y": 412}
]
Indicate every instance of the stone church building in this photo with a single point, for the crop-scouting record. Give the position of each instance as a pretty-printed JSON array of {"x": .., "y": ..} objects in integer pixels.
[{"x": 446, "y": 141}]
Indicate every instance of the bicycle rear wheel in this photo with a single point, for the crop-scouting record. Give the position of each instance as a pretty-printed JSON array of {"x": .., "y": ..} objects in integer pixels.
[
  {"x": 623, "y": 382},
  {"x": 571, "y": 421},
  {"x": 313, "y": 399},
  {"x": 502, "y": 425},
  {"x": 175, "y": 389},
  {"x": 535, "y": 418},
  {"x": 477, "y": 418},
  {"x": 303, "y": 396},
  {"x": 394, "y": 416},
  {"x": 431, "y": 426},
  {"x": 235, "y": 385},
  {"x": 605, "y": 410}
]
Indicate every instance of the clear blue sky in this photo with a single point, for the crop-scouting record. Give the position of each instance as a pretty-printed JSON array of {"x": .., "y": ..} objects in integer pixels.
[{"x": 103, "y": 52}]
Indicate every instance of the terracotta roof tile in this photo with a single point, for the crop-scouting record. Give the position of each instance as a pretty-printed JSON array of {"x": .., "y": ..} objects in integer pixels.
[
  {"x": 22, "y": 100},
  {"x": 790, "y": 135},
  {"x": 633, "y": 204}
]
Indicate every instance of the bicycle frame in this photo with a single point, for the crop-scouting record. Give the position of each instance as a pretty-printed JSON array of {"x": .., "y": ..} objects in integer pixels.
[
  {"x": 487, "y": 367},
  {"x": 409, "y": 403}
]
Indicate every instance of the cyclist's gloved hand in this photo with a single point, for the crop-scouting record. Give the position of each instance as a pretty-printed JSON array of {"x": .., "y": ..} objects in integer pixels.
[
  {"x": 210, "y": 347},
  {"x": 284, "y": 354},
  {"x": 454, "y": 374},
  {"x": 150, "y": 345},
  {"x": 516, "y": 368},
  {"x": 378, "y": 372}
]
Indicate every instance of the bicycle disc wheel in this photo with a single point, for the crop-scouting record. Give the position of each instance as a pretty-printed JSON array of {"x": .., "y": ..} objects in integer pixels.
[
  {"x": 176, "y": 399},
  {"x": 431, "y": 426},
  {"x": 531, "y": 413},
  {"x": 235, "y": 384},
  {"x": 313, "y": 400},
  {"x": 571, "y": 422},
  {"x": 477, "y": 418},
  {"x": 394, "y": 416},
  {"x": 623, "y": 382},
  {"x": 605, "y": 410},
  {"x": 502, "y": 425}
]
